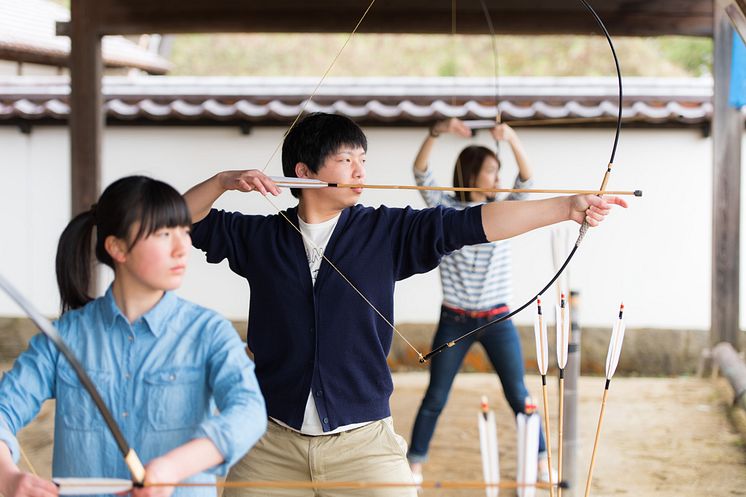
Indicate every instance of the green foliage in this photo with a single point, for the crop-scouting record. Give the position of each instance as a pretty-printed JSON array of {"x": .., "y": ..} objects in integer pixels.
[
  {"x": 436, "y": 55},
  {"x": 448, "y": 68},
  {"x": 692, "y": 54}
]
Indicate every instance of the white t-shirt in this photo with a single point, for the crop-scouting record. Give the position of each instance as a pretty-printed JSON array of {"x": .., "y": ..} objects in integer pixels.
[{"x": 315, "y": 238}]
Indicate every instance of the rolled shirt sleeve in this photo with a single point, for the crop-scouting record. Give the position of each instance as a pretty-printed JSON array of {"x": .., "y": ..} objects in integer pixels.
[
  {"x": 24, "y": 389},
  {"x": 242, "y": 417}
]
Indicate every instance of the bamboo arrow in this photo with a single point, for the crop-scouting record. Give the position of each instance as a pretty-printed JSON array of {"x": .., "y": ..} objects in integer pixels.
[
  {"x": 94, "y": 486},
  {"x": 542, "y": 359},
  {"x": 612, "y": 360},
  {"x": 287, "y": 182}
]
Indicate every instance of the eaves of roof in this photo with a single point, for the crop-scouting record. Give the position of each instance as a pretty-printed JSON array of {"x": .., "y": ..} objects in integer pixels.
[
  {"x": 27, "y": 34},
  {"x": 411, "y": 100}
]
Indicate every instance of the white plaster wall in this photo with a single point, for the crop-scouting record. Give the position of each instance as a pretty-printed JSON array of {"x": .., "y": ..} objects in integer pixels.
[
  {"x": 34, "y": 209},
  {"x": 655, "y": 255}
]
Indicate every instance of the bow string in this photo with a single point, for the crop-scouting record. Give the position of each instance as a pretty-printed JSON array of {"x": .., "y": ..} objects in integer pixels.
[{"x": 583, "y": 228}]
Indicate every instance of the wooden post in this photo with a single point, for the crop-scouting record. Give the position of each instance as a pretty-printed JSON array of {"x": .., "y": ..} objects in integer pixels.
[
  {"x": 86, "y": 105},
  {"x": 727, "y": 131},
  {"x": 737, "y": 14},
  {"x": 571, "y": 442}
]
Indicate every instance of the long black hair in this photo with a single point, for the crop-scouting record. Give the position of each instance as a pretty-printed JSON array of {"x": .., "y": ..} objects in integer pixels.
[
  {"x": 468, "y": 165},
  {"x": 132, "y": 201}
]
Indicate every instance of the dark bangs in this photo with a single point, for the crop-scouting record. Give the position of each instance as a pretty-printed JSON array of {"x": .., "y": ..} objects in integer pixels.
[
  {"x": 159, "y": 206},
  {"x": 139, "y": 205},
  {"x": 341, "y": 134}
]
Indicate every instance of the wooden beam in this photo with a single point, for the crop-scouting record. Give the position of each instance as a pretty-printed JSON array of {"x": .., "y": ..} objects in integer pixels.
[
  {"x": 86, "y": 106},
  {"x": 22, "y": 54},
  {"x": 737, "y": 14},
  {"x": 623, "y": 17},
  {"x": 513, "y": 24},
  {"x": 727, "y": 132}
]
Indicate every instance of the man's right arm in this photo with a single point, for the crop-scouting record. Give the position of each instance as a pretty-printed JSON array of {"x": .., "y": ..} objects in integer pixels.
[{"x": 200, "y": 197}]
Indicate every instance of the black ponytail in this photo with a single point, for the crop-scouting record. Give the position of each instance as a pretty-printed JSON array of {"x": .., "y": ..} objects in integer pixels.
[
  {"x": 73, "y": 262},
  {"x": 134, "y": 201}
]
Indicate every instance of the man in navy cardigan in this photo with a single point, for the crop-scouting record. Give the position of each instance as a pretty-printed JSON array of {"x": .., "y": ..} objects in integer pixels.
[{"x": 320, "y": 348}]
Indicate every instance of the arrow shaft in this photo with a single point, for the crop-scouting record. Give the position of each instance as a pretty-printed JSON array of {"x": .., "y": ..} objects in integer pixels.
[
  {"x": 595, "y": 441},
  {"x": 558, "y": 191},
  {"x": 455, "y": 484},
  {"x": 548, "y": 435}
]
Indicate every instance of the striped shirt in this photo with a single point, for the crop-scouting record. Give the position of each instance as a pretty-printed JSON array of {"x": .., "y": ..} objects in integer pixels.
[{"x": 476, "y": 277}]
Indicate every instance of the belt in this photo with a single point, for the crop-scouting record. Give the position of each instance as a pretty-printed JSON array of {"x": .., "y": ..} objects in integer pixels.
[{"x": 478, "y": 314}]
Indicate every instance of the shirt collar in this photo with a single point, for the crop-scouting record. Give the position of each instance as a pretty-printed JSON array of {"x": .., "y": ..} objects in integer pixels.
[{"x": 156, "y": 318}]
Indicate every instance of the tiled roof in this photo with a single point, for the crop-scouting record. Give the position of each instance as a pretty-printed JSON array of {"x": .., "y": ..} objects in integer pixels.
[
  {"x": 373, "y": 100},
  {"x": 28, "y": 33}
]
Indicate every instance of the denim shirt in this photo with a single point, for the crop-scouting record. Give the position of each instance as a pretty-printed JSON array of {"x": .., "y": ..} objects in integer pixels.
[{"x": 162, "y": 377}]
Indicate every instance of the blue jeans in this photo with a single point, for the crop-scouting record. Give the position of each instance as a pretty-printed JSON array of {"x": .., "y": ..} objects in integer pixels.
[{"x": 503, "y": 347}]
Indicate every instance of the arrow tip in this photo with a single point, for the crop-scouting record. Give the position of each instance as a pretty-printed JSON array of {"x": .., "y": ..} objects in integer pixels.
[{"x": 638, "y": 193}]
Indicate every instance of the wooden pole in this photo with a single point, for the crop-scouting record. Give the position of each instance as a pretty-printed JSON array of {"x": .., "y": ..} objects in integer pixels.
[
  {"x": 737, "y": 14},
  {"x": 86, "y": 112},
  {"x": 727, "y": 133},
  {"x": 86, "y": 105},
  {"x": 570, "y": 442}
]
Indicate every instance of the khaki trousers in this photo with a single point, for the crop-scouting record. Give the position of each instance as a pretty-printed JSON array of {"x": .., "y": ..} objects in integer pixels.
[{"x": 369, "y": 453}]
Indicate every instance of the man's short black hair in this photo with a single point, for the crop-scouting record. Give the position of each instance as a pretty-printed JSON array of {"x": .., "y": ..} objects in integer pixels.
[{"x": 314, "y": 138}]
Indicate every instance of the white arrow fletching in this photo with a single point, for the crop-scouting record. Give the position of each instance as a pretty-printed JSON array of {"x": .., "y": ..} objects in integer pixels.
[
  {"x": 528, "y": 446},
  {"x": 489, "y": 450},
  {"x": 92, "y": 486},
  {"x": 563, "y": 335},
  {"x": 286, "y": 182},
  {"x": 615, "y": 348},
  {"x": 540, "y": 334}
]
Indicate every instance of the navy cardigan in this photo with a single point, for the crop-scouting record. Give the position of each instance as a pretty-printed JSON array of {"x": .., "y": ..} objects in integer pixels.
[{"x": 325, "y": 338}]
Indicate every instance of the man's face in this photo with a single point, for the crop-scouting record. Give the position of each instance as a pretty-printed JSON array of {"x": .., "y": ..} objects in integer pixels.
[{"x": 346, "y": 166}]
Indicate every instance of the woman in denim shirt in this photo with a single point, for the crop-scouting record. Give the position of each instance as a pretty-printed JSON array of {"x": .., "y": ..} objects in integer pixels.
[{"x": 161, "y": 364}]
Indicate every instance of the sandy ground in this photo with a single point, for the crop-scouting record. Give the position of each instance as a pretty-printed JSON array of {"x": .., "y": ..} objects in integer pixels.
[{"x": 660, "y": 436}]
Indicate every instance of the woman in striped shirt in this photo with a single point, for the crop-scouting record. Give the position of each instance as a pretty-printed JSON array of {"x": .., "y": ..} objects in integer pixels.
[{"x": 476, "y": 284}]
